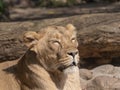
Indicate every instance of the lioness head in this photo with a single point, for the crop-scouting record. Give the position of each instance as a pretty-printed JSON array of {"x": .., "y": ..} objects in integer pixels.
[{"x": 55, "y": 47}]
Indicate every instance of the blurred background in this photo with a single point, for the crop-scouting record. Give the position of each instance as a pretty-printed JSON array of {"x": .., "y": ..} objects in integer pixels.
[
  {"x": 97, "y": 23},
  {"x": 13, "y": 10}
]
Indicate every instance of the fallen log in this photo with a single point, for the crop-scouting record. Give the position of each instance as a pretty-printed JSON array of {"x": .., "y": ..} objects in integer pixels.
[{"x": 98, "y": 37}]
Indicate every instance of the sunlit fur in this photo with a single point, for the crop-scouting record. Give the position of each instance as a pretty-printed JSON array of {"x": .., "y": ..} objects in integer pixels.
[{"x": 39, "y": 68}]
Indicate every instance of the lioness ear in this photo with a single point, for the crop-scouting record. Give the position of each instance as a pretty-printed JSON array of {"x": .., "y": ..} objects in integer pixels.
[
  {"x": 30, "y": 38},
  {"x": 70, "y": 27}
]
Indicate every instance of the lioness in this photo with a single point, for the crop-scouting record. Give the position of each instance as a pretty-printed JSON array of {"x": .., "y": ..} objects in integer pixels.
[{"x": 50, "y": 63}]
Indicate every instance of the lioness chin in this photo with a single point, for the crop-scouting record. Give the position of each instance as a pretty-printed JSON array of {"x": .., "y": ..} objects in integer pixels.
[{"x": 50, "y": 63}]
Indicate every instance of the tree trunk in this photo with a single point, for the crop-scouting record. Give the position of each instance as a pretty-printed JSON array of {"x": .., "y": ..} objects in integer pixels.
[{"x": 98, "y": 37}]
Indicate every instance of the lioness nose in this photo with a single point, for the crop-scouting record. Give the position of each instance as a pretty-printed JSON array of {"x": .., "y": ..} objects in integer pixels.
[
  {"x": 74, "y": 63},
  {"x": 73, "y": 53}
]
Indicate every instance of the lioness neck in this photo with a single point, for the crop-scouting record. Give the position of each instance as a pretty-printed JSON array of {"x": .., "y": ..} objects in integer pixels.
[
  {"x": 73, "y": 81},
  {"x": 69, "y": 81},
  {"x": 35, "y": 77}
]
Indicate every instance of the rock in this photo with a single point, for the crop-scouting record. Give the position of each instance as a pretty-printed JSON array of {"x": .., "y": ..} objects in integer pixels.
[
  {"x": 105, "y": 77},
  {"x": 103, "y": 83},
  {"x": 103, "y": 41},
  {"x": 85, "y": 74},
  {"x": 104, "y": 69}
]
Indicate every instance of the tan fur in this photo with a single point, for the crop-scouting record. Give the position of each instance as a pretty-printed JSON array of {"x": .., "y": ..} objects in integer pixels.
[{"x": 49, "y": 63}]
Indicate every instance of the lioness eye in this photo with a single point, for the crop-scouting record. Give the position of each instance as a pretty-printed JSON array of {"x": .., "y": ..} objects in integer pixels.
[
  {"x": 73, "y": 39},
  {"x": 56, "y": 43}
]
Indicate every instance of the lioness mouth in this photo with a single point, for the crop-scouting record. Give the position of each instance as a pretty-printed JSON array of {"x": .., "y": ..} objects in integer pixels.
[{"x": 65, "y": 67}]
